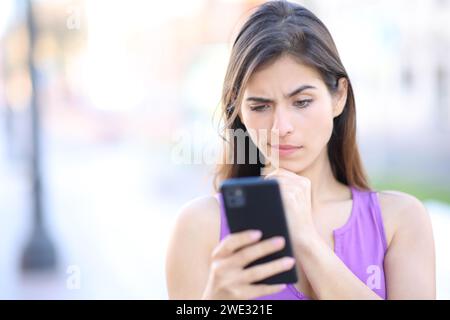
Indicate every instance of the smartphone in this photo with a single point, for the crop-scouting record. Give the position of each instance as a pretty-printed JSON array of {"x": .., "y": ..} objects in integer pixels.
[{"x": 256, "y": 203}]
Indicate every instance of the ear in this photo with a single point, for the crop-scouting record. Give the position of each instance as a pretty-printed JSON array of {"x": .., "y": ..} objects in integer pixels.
[{"x": 340, "y": 97}]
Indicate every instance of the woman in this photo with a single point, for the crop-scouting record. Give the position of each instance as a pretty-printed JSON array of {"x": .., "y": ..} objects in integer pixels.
[{"x": 285, "y": 78}]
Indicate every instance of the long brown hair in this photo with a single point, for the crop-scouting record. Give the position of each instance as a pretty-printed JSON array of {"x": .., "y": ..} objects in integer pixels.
[{"x": 276, "y": 28}]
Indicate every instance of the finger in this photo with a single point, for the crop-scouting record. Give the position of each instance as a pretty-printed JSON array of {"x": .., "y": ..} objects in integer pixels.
[
  {"x": 235, "y": 241},
  {"x": 259, "y": 290},
  {"x": 275, "y": 170},
  {"x": 259, "y": 250},
  {"x": 278, "y": 176},
  {"x": 287, "y": 172},
  {"x": 281, "y": 172},
  {"x": 268, "y": 269}
]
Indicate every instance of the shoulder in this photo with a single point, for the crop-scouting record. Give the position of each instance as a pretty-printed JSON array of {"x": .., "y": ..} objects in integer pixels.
[
  {"x": 402, "y": 212},
  {"x": 202, "y": 213},
  {"x": 195, "y": 233},
  {"x": 401, "y": 204}
]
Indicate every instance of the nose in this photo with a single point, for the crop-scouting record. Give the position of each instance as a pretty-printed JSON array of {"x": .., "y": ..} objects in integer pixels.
[{"x": 282, "y": 125}]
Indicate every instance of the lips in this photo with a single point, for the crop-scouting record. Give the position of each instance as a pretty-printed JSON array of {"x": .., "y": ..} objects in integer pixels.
[
  {"x": 285, "y": 146},
  {"x": 285, "y": 149}
]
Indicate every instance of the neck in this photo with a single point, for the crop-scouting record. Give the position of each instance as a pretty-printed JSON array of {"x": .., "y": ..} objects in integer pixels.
[{"x": 324, "y": 186}]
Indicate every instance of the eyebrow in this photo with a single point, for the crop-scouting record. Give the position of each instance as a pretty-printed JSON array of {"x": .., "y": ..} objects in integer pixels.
[{"x": 289, "y": 95}]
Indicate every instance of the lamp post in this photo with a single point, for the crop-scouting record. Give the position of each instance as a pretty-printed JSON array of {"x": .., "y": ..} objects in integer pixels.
[{"x": 39, "y": 253}]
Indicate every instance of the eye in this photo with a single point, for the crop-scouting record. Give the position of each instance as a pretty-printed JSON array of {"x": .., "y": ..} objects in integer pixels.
[
  {"x": 259, "y": 108},
  {"x": 302, "y": 103}
]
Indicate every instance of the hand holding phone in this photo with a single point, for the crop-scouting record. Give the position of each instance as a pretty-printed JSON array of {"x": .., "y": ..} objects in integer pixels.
[
  {"x": 256, "y": 203},
  {"x": 230, "y": 279}
]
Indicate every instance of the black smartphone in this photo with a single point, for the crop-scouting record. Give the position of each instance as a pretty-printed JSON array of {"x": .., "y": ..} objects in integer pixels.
[{"x": 256, "y": 203}]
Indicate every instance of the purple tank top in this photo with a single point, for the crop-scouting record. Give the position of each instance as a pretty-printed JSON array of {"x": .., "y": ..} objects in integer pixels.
[{"x": 360, "y": 243}]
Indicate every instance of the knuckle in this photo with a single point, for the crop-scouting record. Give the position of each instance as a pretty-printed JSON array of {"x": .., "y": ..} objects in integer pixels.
[
  {"x": 306, "y": 181},
  {"x": 244, "y": 255},
  {"x": 215, "y": 252},
  {"x": 227, "y": 246},
  {"x": 217, "y": 267},
  {"x": 229, "y": 238}
]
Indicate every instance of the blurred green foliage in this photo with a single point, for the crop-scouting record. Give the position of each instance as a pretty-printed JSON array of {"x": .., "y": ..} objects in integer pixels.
[{"x": 423, "y": 190}]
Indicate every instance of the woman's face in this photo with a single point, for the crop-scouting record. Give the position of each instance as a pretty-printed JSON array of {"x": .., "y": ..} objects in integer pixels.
[{"x": 288, "y": 112}]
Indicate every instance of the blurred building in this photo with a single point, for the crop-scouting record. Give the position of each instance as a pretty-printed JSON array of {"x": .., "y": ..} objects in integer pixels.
[{"x": 396, "y": 55}]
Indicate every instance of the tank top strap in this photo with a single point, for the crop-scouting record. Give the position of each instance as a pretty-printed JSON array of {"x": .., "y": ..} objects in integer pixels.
[
  {"x": 377, "y": 216},
  {"x": 370, "y": 213}
]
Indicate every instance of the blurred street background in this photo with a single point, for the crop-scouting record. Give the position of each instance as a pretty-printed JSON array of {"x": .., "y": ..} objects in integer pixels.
[{"x": 96, "y": 97}]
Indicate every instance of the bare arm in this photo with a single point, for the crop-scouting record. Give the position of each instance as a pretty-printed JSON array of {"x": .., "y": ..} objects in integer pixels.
[
  {"x": 199, "y": 267},
  {"x": 189, "y": 249},
  {"x": 330, "y": 278},
  {"x": 409, "y": 261}
]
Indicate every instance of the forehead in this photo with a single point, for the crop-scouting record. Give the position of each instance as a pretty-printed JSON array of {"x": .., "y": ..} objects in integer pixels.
[{"x": 285, "y": 73}]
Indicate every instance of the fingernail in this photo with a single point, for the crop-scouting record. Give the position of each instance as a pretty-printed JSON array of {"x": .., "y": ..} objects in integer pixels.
[
  {"x": 278, "y": 241},
  {"x": 288, "y": 262},
  {"x": 256, "y": 234}
]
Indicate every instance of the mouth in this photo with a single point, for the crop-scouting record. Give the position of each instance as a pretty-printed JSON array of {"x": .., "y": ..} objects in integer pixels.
[{"x": 285, "y": 149}]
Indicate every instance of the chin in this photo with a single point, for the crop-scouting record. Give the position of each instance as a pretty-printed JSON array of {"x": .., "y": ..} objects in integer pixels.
[{"x": 293, "y": 165}]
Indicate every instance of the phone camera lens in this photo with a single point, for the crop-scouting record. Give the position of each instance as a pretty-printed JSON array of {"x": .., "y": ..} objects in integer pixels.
[{"x": 235, "y": 198}]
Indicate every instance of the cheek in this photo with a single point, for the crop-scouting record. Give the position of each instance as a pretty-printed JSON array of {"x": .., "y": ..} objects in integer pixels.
[
  {"x": 258, "y": 127},
  {"x": 319, "y": 127},
  {"x": 252, "y": 120}
]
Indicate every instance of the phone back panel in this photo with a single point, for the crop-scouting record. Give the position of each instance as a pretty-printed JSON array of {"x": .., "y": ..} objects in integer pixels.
[{"x": 255, "y": 203}]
